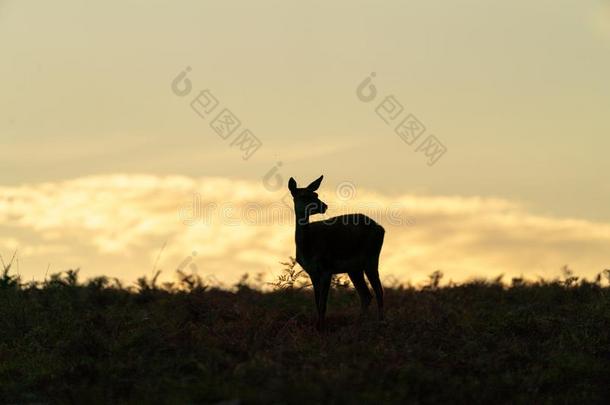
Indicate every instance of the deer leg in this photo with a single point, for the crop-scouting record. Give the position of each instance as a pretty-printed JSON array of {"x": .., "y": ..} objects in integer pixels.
[
  {"x": 372, "y": 273},
  {"x": 357, "y": 278},
  {"x": 324, "y": 288},
  {"x": 315, "y": 281}
]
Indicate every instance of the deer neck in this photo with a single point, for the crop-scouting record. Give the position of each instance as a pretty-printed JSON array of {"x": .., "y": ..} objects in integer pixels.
[{"x": 301, "y": 235}]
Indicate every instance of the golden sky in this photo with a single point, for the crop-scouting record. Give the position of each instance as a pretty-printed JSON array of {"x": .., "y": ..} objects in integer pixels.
[{"x": 99, "y": 155}]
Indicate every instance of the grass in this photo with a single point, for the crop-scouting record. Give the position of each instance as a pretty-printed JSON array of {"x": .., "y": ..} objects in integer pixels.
[{"x": 483, "y": 341}]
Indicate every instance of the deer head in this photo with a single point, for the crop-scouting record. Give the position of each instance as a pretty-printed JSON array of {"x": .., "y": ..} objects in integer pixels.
[{"x": 306, "y": 201}]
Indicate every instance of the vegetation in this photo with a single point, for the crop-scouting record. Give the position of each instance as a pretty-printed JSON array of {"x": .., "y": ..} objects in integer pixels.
[{"x": 483, "y": 341}]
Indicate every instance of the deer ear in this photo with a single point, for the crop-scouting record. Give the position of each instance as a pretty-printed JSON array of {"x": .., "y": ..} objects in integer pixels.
[
  {"x": 315, "y": 185},
  {"x": 292, "y": 185}
]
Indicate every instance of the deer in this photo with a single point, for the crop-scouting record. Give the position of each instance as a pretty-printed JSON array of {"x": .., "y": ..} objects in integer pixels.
[{"x": 348, "y": 243}]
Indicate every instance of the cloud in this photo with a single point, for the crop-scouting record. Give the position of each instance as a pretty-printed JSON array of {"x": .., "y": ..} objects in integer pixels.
[{"x": 117, "y": 225}]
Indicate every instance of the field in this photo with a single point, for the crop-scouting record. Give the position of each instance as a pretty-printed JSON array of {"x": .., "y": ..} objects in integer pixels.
[{"x": 485, "y": 341}]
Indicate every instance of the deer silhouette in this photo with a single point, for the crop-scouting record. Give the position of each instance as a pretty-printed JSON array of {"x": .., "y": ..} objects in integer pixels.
[{"x": 344, "y": 244}]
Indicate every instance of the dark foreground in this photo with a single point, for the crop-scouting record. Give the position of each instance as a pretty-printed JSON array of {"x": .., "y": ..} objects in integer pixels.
[{"x": 480, "y": 342}]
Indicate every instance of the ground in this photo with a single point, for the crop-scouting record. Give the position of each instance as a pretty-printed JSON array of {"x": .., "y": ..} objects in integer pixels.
[{"x": 482, "y": 342}]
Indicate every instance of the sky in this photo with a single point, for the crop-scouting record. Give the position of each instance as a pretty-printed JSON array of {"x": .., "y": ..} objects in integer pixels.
[{"x": 103, "y": 154}]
